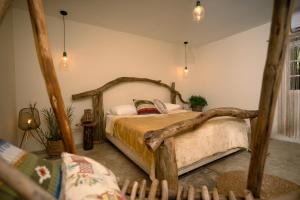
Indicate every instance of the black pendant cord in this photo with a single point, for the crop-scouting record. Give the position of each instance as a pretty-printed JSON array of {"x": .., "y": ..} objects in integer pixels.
[
  {"x": 64, "y": 33},
  {"x": 64, "y": 13},
  {"x": 185, "y": 57}
]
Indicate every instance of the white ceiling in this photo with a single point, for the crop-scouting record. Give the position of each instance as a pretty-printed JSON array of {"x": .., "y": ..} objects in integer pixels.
[{"x": 168, "y": 20}]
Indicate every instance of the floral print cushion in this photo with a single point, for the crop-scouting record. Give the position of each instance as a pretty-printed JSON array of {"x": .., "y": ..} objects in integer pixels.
[{"x": 84, "y": 178}]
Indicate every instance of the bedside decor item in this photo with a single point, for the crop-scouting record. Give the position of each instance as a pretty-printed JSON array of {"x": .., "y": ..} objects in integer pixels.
[
  {"x": 197, "y": 103},
  {"x": 54, "y": 146},
  {"x": 29, "y": 122},
  {"x": 185, "y": 58},
  {"x": 65, "y": 61},
  {"x": 88, "y": 129},
  {"x": 198, "y": 12}
]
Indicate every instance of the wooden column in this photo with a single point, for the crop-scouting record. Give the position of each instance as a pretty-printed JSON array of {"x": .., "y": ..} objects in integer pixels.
[
  {"x": 101, "y": 118},
  {"x": 96, "y": 111},
  {"x": 166, "y": 166},
  {"x": 173, "y": 93},
  {"x": 4, "y": 5},
  {"x": 253, "y": 123},
  {"x": 280, "y": 27},
  {"x": 37, "y": 16}
]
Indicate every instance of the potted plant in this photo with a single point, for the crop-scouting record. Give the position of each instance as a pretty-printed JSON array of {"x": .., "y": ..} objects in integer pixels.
[
  {"x": 52, "y": 134},
  {"x": 197, "y": 103}
]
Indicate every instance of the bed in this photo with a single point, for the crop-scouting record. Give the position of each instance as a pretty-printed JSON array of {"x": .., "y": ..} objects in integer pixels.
[
  {"x": 127, "y": 133},
  {"x": 163, "y": 145}
]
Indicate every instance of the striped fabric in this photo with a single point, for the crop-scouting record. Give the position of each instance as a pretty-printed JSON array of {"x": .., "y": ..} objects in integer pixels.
[
  {"x": 144, "y": 107},
  {"x": 43, "y": 172}
]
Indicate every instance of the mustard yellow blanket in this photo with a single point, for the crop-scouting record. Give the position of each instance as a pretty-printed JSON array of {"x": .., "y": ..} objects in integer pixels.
[{"x": 131, "y": 130}]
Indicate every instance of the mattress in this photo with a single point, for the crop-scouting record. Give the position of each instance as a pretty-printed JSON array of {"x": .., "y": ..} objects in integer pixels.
[{"x": 214, "y": 136}]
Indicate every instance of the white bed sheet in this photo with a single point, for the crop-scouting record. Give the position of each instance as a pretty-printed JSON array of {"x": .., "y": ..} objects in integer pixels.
[{"x": 214, "y": 136}]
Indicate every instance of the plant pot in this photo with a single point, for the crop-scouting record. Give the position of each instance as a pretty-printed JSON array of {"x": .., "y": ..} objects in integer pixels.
[
  {"x": 197, "y": 108},
  {"x": 54, "y": 148}
]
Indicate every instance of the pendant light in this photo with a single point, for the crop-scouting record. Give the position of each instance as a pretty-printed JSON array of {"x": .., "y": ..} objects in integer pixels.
[
  {"x": 185, "y": 58},
  {"x": 64, "y": 61},
  {"x": 198, "y": 12}
]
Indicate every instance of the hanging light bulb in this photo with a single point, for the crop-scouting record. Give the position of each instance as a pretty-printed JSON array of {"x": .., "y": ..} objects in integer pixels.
[
  {"x": 186, "y": 70},
  {"x": 198, "y": 12},
  {"x": 64, "y": 59}
]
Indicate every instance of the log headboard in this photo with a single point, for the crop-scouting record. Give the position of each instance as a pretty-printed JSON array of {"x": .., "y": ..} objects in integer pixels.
[{"x": 97, "y": 99}]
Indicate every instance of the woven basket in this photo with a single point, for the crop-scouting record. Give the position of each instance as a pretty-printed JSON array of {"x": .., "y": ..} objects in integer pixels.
[{"x": 54, "y": 148}]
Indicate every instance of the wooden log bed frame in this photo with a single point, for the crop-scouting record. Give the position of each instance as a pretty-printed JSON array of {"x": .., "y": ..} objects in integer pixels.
[{"x": 161, "y": 141}]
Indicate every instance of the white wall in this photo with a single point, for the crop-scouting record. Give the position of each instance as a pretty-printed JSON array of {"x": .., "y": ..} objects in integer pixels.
[
  {"x": 97, "y": 56},
  {"x": 7, "y": 77},
  {"x": 230, "y": 70}
]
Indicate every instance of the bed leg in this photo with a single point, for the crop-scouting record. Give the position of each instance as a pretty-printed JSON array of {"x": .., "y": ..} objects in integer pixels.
[{"x": 166, "y": 166}]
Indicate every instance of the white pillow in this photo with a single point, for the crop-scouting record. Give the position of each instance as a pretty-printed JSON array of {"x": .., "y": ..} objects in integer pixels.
[
  {"x": 123, "y": 110},
  {"x": 172, "y": 107}
]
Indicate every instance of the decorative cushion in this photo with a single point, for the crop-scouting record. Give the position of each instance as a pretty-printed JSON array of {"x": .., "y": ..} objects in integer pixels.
[
  {"x": 173, "y": 107},
  {"x": 161, "y": 107},
  {"x": 84, "y": 178},
  {"x": 123, "y": 110},
  {"x": 43, "y": 172},
  {"x": 144, "y": 107}
]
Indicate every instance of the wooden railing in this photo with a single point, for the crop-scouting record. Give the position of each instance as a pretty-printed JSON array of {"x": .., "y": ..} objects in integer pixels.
[{"x": 159, "y": 190}]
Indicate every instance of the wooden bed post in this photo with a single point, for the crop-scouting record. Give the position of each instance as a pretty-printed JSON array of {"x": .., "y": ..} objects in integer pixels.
[
  {"x": 37, "y": 16},
  {"x": 253, "y": 122},
  {"x": 4, "y": 5},
  {"x": 99, "y": 116},
  {"x": 281, "y": 20},
  {"x": 96, "y": 112},
  {"x": 173, "y": 93},
  {"x": 166, "y": 166}
]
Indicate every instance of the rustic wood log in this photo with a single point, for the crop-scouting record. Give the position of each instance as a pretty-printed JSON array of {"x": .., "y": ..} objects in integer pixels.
[
  {"x": 96, "y": 112},
  {"x": 37, "y": 16},
  {"x": 191, "y": 193},
  {"x": 185, "y": 192},
  {"x": 153, "y": 139},
  {"x": 179, "y": 192},
  {"x": 280, "y": 26},
  {"x": 134, "y": 190},
  {"x": 153, "y": 190},
  {"x": 4, "y": 5},
  {"x": 125, "y": 186},
  {"x": 142, "y": 192},
  {"x": 23, "y": 185},
  {"x": 164, "y": 190},
  {"x": 215, "y": 194},
  {"x": 205, "y": 193},
  {"x": 231, "y": 196},
  {"x": 166, "y": 166},
  {"x": 248, "y": 195},
  {"x": 120, "y": 80},
  {"x": 253, "y": 123},
  {"x": 173, "y": 94},
  {"x": 101, "y": 135}
]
